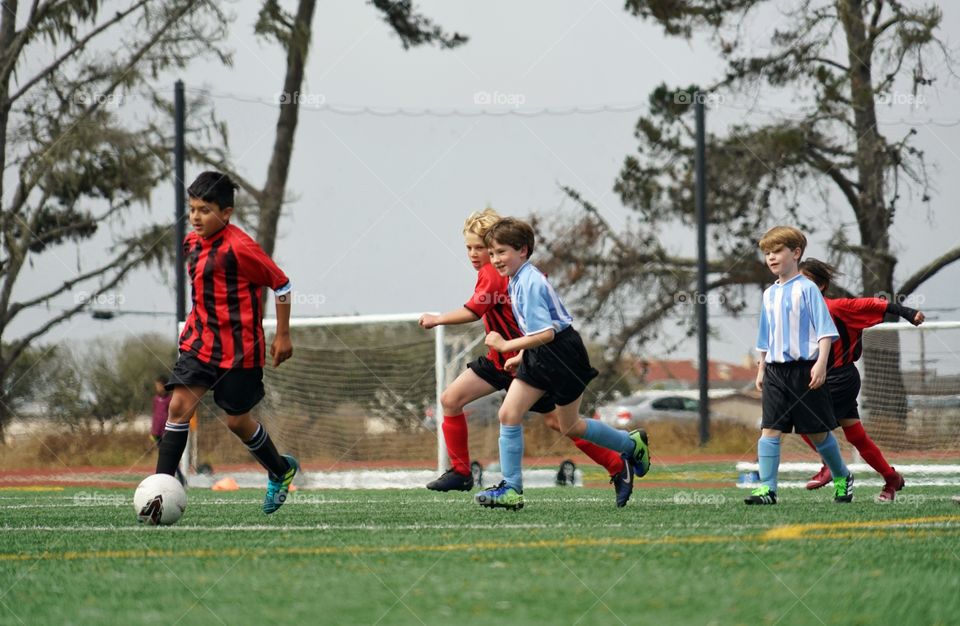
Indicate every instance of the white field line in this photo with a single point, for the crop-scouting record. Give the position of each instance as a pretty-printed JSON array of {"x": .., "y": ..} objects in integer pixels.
[
  {"x": 906, "y": 470},
  {"x": 870, "y": 482}
]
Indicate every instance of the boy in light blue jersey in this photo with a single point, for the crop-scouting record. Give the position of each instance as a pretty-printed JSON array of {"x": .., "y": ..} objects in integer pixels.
[
  {"x": 794, "y": 340},
  {"x": 554, "y": 360}
]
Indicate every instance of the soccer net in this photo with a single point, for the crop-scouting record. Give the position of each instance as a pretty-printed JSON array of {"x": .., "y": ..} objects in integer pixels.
[
  {"x": 909, "y": 403},
  {"x": 360, "y": 393}
]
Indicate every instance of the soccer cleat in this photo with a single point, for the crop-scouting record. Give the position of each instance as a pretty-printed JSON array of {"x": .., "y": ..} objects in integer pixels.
[
  {"x": 452, "y": 480},
  {"x": 820, "y": 479},
  {"x": 277, "y": 489},
  {"x": 623, "y": 482},
  {"x": 761, "y": 495},
  {"x": 641, "y": 453},
  {"x": 843, "y": 489},
  {"x": 500, "y": 496},
  {"x": 891, "y": 486}
]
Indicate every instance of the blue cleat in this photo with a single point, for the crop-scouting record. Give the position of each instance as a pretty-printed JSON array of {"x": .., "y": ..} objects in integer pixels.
[
  {"x": 500, "y": 496},
  {"x": 623, "y": 482},
  {"x": 277, "y": 489}
]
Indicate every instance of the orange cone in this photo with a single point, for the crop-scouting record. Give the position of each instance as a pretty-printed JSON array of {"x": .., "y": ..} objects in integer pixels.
[{"x": 225, "y": 484}]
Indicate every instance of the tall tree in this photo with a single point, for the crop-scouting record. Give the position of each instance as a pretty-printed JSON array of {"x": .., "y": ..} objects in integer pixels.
[
  {"x": 838, "y": 60},
  {"x": 293, "y": 31},
  {"x": 75, "y": 166}
]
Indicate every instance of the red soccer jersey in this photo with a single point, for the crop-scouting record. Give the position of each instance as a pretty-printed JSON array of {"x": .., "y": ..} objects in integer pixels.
[
  {"x": 852, "y": 315},
  {"x": 491, "y": 302},
  {"x": 228, "y": 272}
]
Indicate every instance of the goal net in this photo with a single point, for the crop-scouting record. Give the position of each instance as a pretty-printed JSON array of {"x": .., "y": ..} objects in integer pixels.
[
  {"x": 909, "y": 403},
  {"x": 360, "y": 393}
]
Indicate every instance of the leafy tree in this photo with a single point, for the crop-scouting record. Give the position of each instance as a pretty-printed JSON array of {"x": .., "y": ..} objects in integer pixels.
[
  {"x": 839, "y": 60},
  {"x": 74, "y": 165}
]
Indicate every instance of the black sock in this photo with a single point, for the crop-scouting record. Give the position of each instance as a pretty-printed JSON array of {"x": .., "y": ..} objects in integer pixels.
[
  {"x": 261, "y": 446},
  {"x": 171, "y": 447}
]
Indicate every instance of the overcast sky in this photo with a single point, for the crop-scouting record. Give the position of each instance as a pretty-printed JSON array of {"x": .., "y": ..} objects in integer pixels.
[{"x": 380, "y": 199}]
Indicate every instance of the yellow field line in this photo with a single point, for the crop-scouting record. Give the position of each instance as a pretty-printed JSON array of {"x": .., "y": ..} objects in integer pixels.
[{"x": 897, "y": 528}]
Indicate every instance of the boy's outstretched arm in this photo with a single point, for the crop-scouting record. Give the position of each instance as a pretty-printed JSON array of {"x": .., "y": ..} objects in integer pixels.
[
  {"x": 282, "y": 347},
  {"x": 463, "y": 315},
  {"x": 496, "y": 341},
  {"x": 761, "y": 368}
]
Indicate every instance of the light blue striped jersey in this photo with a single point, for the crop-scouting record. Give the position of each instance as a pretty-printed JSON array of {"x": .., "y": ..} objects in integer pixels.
[
  {"x": 793, "y": 318},
  {"x": 535, "y": 303}
]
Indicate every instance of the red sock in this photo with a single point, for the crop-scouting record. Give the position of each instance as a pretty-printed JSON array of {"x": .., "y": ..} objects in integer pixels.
[
  {"x": 455, "y": 435},
  {"x": 605, "y": 457},
  {"x": 809, "y": 443},
  {"x": 868, "y": 450}
]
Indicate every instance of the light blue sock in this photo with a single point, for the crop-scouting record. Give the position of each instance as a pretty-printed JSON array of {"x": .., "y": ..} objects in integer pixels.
[
  {"x": 829, "y": 451},
  {"x": 609, "y": 437},
  {"x": 511, "y": 455},
  {"x": 768, "y": 455}
]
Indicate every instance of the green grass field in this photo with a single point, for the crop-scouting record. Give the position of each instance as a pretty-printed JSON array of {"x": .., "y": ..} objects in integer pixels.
[{"x": 672, "y": 556}]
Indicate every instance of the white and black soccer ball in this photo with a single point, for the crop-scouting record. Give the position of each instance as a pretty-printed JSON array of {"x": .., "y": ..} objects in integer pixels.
[{"x": 159, "y": 500}]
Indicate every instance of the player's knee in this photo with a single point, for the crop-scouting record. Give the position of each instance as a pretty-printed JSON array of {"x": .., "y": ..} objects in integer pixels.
[
  {"x": 180, "y": 410},
  {"x": 452, "y": 402},
  {"x": 509, "y": 417},
  {"x": 550, "y": 421}
]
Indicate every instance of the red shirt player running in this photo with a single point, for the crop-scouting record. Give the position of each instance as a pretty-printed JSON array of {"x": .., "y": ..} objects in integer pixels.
[{"x": 852, "y": 316}]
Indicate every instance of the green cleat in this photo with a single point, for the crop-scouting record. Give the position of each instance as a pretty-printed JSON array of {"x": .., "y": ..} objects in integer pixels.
[
  {"x": 761, "y": 495},
  {"x": 641, "y": 453},
  {"x": 843, "y": 489},
  {"x": 501, "y": 496},
  {"x": 277, "y": 489}
]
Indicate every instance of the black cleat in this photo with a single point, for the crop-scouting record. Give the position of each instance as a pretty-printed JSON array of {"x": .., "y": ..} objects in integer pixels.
[
  {"x": 451, "y": 480},
  {"x": 761, "y": 495},
  {"x": 623, "y": 482}
]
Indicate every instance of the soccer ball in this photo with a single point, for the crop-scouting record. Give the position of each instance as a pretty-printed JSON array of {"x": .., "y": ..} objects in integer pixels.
[{"x": 159, "y": 500}]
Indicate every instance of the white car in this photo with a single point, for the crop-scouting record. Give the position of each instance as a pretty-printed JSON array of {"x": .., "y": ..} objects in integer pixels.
[{"x": 634, "y": 411}]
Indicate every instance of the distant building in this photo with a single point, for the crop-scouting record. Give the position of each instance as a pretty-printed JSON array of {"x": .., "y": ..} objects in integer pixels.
[{"x": 684, "y": 374}]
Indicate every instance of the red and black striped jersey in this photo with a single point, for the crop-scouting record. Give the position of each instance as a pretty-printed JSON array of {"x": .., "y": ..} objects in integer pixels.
[
  {"x": 491, "y": 302},
  {"x": 851, "y": 316},
  {"x": 227, "y": 271}
]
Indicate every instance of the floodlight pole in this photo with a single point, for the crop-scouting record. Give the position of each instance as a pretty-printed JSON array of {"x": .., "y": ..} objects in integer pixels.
[
  {"x": 179, "y": 193},
  {"x": 701, "y": 302}
]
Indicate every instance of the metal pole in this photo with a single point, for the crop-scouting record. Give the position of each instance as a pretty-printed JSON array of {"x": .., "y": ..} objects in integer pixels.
[
  {"x": 180, "y": 231},
  {"x": 179, "y": 195},
  {"x": 701, "y": 302}
]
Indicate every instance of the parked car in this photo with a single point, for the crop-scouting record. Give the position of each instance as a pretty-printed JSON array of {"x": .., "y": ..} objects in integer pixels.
[{"x": 635, "y": 410}]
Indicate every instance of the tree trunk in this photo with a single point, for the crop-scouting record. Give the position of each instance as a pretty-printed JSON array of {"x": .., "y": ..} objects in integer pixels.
[
  {"x": 883, "y": 382},
  {"x": 275, "y": 187}
]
